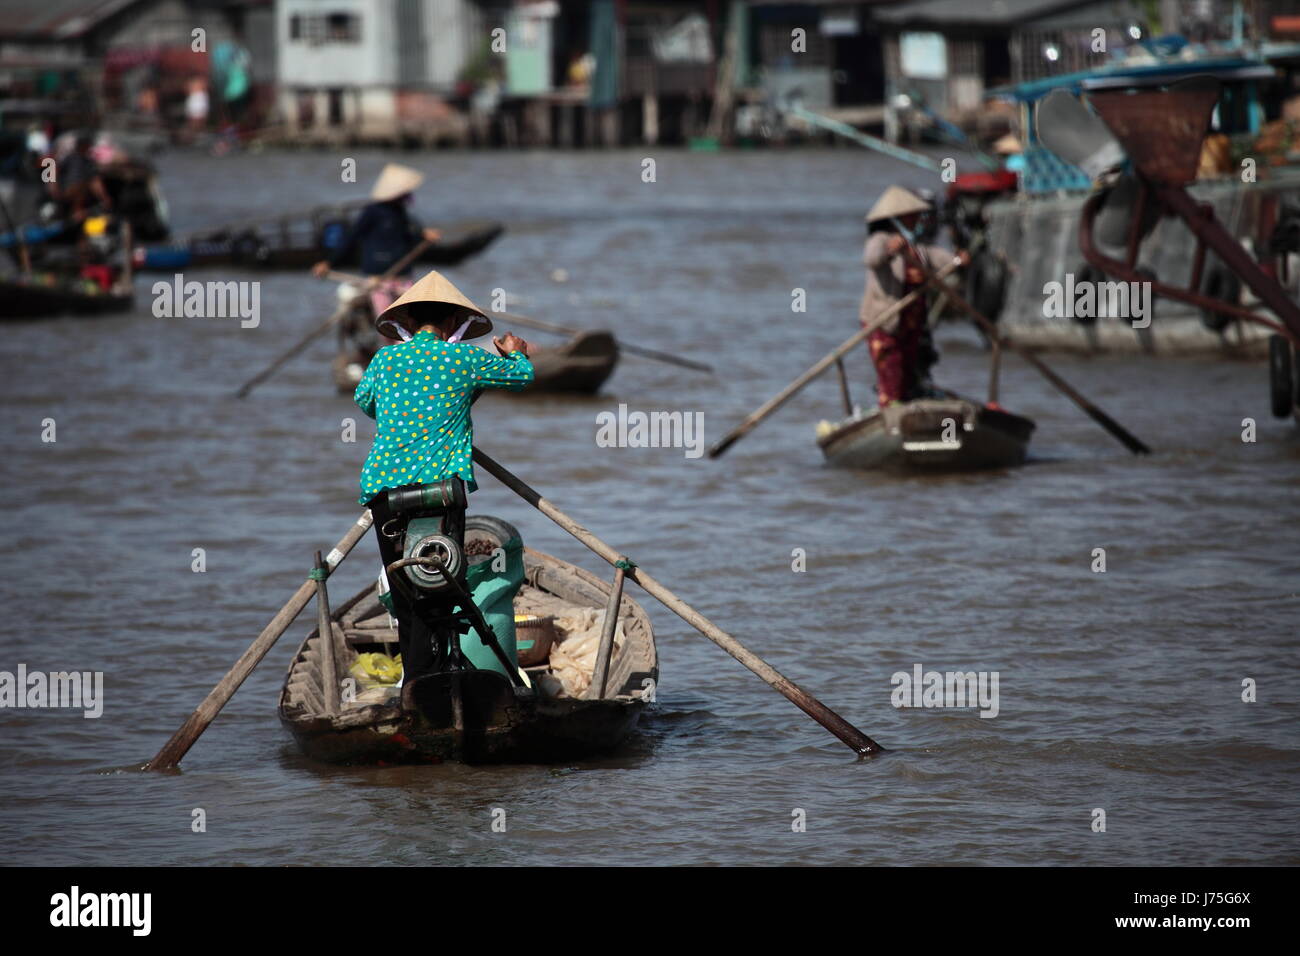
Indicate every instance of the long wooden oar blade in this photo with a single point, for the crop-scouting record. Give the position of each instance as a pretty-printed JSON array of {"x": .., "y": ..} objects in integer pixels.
[
  {"x": 1127, "y": 438},
  {"x": 529, "y": 322},
  {"x": 1118, "y": 431},
  {"x": 664, "y": 357},
  {"x": 833, "y": 722},
  {"x": 787, "y": 393},
  {"x": 171, "y": 753}
]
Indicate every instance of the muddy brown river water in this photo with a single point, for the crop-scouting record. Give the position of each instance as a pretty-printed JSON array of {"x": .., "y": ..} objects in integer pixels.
[{"x": 1119, "y": 691}]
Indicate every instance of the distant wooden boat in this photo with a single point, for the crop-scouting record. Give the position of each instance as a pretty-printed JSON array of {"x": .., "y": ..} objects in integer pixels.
[
  {"x": 537, "y": 726},
  {"x": 42, "y": 297},
  {"x": 950, "y": 434},
  {"x": 580, "y": 365},
  {"x": 296, "y": 241}
]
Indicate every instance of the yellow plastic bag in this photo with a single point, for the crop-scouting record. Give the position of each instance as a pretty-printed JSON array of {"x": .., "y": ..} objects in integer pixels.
[{"x": 375, "y": 670}]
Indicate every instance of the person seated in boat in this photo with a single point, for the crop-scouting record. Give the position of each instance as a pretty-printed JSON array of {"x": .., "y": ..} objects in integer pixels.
[
  {"x": 419, "y": 392},
  {"x": 77, "y": 185},
  {"x": 382, "y": 235},
  {"x": 895, "y": 263}
]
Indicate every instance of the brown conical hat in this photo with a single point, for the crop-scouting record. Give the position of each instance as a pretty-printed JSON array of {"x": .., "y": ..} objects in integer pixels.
[
  {"x": 896, "y": 201},
  {"x": 396, "y": 180},
  {"x": 433, "y": 287}
]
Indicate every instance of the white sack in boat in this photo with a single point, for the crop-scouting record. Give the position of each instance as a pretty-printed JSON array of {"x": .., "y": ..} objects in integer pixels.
[{"x": 573, "y": 660}]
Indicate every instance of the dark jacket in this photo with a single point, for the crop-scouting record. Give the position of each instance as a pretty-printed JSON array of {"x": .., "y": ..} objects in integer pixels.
[{"x": 385, "y": 232}]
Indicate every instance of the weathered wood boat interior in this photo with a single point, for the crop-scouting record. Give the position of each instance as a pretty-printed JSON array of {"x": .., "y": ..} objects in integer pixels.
[{"x": 552, "y": 587}]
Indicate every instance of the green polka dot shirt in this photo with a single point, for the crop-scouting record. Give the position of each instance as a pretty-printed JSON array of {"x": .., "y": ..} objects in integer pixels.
[{"x": 419, "y": 393}]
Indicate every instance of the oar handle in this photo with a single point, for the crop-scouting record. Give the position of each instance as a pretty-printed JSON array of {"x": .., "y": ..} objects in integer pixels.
[{"x": 393, "y": 270}]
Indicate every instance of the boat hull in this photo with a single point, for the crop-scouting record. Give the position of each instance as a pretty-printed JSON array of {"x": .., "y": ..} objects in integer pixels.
[
  {"x": 534, "y": 727},
  {"x": 1039, "y": 234},
  {"x": 929, "y": 435},
  {"x": 580, "y": 366},
  {"x": 238, "y": 250},
  {"x": 20, "y": 300}
]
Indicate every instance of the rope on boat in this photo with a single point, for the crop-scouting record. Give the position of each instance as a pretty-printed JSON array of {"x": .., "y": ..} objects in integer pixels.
[{"x": 627, "y": 564}]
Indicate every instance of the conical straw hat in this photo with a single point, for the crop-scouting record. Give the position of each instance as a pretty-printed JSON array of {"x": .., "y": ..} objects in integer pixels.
[
  {"x": 895, "y": 202},
  {"x": 396, "y": 180},
  {"x": 433, "y": 287},
  {"x": 1008, "y": 145}
]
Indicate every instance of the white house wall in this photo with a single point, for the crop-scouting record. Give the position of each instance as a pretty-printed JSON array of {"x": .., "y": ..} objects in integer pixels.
[{"x": 453, "y": 30}]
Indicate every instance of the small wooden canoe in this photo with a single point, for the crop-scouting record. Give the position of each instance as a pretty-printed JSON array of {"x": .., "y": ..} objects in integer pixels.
[
  {"x": 538, "y": 727},
  {"x": 949, "y": 434},
  {"x": 28, "y": 298},
  {"x": 580, "y": 365},
  {"x": 297, "y": 245}
]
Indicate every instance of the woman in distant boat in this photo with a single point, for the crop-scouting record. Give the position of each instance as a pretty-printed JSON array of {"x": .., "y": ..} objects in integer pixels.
[
  {"x": 419, "y": 392},
  {"x": 382, "y": 235},
  {"x": 385, "y": 231},
  {"x": 895, "y": 263}
]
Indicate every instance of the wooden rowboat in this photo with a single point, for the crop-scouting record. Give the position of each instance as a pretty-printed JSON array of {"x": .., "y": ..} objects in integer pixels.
[
  {"x": 25, "y": 298},
  {"x": 540, "y": 726},
  {"x": 287, "y": 243},
  {"x": 949, "y": 434},
  {"x": 580, "y": 365}
]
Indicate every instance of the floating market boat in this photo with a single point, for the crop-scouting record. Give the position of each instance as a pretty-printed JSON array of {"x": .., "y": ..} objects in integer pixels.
[
  {"x": 543, "y": 723},
  {"x": 948, "y": 434},
  {"x": 1034, "y": 233},
  {"x": 44, "y": 296},
  {"x": 296, "y": 241},
  {"x": 581, "y": 365}
]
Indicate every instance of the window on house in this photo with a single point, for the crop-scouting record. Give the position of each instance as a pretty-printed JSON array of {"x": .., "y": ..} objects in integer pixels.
[
  {"x": 343, "y": 27},
  {"x": 317, "y": 28}
]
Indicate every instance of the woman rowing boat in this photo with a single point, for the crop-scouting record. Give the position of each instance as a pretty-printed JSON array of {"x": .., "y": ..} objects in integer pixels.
[
  {"x": 419, "y": 392},
  {"x": 384, "y": 233},
  {"x": 896, "y": 265}
]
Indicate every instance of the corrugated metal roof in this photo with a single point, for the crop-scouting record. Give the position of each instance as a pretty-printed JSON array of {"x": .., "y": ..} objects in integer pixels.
[
  {"x": 992, "y": 12},
  {"x": 1136, "y": 74},
  {"x": 55, "y": 19}
]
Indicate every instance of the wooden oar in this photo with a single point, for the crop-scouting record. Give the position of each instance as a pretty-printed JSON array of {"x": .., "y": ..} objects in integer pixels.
[
  {"x": 181, "y": 741},
  {"x": 783, "y": 396},
  {"x": 339, "y": 315},
  {"x": 837, "y": 725},
  {"x": 333, "y": 320},
  {"x": 1118, "y": 431},
  {"x": 565, "y": 331}
]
